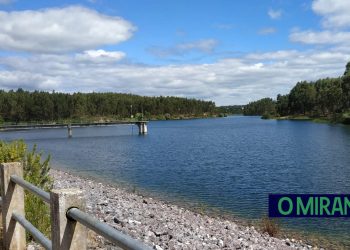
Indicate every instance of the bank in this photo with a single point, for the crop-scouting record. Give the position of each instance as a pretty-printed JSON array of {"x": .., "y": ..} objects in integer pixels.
[
  {"x": 341, "y": 119},
  {"x": 162, "y": 225}
]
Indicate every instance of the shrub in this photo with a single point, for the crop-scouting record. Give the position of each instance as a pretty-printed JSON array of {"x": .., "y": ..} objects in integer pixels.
[
  {"x": 266, "y": 116},
  {"x": 269, "y": 226},
  {"x": 36, "y": 172}
]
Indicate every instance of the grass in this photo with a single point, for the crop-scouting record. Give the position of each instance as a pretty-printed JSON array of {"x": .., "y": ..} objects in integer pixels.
[
  {"x": 36, "y": 171},
  {"x": 269, "y": 226},
  {"x": 294, "y": 117}
]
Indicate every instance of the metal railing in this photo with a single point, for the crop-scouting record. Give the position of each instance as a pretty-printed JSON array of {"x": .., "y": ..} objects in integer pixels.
[{"x": 69, "y": 222}]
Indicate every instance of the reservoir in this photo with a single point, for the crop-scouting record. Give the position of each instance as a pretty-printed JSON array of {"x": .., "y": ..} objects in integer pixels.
[{"x": 230, "y": 164}]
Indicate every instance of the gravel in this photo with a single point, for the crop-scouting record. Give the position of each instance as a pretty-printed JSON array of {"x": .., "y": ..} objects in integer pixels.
[{"x": 161, "y": 225}]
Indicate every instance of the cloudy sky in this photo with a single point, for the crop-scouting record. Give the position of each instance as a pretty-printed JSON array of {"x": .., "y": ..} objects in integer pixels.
[{"x": 231, "y": 52}]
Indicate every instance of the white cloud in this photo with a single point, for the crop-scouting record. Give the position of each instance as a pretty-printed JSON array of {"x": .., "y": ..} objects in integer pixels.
[
  {"x": 267, "y": 31},
  {"x": 203, "y": 46},
  {"x": 274, "y": 14},
  {"x": 235, "y": 80},
  {"x": 101, "y": 56},
  {"x": 60, "y": 30},
  {"x": 335, "y": 13},
  {"x": 335, "y": 21},
  {"x": 228, "y": 81},
  {"x": 322, "y": 37}
]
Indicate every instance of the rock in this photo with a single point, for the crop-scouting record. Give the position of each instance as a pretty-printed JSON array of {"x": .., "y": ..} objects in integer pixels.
[
  {"x": 134, "y": 222},
  {"x": 220, "y": 243},
  {"x": 158, "y": 233},
  {"x": 103, "y": 203},
  {"x": 161, "y": 225},
  {"x": 116, "y": 220}
]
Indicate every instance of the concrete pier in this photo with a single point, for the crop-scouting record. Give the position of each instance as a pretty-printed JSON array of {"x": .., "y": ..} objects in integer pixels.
[
  {"x": 70, "y": 131},
  {"x": 142, "y": 125}
]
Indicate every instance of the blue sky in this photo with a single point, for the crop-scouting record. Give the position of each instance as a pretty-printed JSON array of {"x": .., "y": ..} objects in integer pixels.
[{"x": 231, "y": 52}]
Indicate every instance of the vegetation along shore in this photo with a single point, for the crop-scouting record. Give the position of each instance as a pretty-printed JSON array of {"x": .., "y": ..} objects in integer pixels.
[{"x": 322, "y": 100}]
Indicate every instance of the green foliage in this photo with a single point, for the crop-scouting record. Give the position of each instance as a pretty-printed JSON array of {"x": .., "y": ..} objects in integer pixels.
[
  {"x": 282, "y": 105},
  {"x": 36, "y": 172},
  {"x": 232, "y": 110},
  {"x": 302, "y": 98},
  {"x": 326, "y": 99},
  {"x": 11, "y": 152},
  {"x": 38, "y": 106},
  {"x": 345, "y": 85},
  {"x": 139, "y": 116},
  {"x": 329, "y": 95},
  {"x": 266, "y": 116},
  {"x": 260, "y": 107},
  {"x": 347, "y": 69}
]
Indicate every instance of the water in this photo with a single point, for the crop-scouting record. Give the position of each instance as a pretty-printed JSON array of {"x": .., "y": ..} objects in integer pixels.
[{"x": 229, "y": 163}]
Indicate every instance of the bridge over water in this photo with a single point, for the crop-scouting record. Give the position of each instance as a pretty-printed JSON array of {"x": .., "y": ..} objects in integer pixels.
[{"x": 142, "y": 125}]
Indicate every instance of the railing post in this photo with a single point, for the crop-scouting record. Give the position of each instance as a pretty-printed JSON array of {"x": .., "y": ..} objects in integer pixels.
[
  {"x": 67, "y": 234},
  {"x": 12, "y": 201}
]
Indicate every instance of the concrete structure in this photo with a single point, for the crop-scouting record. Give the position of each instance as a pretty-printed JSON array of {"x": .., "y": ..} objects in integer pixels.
[
  {"x": 67, "y": 234},
  {"x": 142, "y": 125},
  {"x": 14, "y": 237},
  {"x": 70, "y": 131},
  {"x": 69, "y": 221}
]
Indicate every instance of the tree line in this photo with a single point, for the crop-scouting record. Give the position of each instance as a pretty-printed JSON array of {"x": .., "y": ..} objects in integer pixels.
[
  {"x": 230, "y": 109},
  {"x": 326, "y": 98},
  {"x": 25, "y": 106}
]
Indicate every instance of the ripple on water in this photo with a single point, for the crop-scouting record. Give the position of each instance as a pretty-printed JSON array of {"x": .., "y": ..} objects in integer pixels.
[{"x": 231, "y": 163}]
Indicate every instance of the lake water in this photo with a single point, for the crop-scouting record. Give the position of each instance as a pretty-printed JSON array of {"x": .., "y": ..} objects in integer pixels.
[{"x": 229, "y": 163}]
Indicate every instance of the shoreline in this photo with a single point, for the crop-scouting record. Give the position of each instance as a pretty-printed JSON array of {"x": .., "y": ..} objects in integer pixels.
[
  {"x": 163, "y": 225},
  {"x": 307, "y": 118}
]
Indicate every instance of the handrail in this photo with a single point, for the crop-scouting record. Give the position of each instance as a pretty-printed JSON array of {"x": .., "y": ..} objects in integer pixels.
[
  {"x": 64, "y": 202},
  {"x": 37, "y": 235},
  {"x": 30, "y": 187},
  {"x": 120, "y": 239}
]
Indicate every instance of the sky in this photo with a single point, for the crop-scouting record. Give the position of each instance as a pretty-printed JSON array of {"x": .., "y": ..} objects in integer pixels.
[{"x": 230, "y": 52}]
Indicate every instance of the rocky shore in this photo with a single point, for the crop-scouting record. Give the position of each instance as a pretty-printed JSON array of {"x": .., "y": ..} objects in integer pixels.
[{"x": 161, "y": 225}]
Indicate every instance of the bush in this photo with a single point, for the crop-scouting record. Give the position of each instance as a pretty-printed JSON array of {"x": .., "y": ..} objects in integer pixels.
[
  {"x": 266, "y": 116},
  {"x": 269, "y": 226},
  {"x": 36, "y": 172}
]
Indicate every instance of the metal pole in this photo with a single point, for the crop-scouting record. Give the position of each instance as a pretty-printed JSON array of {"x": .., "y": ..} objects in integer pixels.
[
  {"x": 35, "y": 190},
  {"x": 120, "y": 239},
  {"x": 37, "y": 235}
]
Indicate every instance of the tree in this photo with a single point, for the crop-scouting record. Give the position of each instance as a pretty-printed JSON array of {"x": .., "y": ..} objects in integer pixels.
[
  {"x": 19, "y": 106},
  {"x": 260, "y": 107},
  {"x": 329, "y": 95},
  {"x": 346, "y": 86},
  {"x": 302, "y": 97},
  {"x": 282, "y": 105}
]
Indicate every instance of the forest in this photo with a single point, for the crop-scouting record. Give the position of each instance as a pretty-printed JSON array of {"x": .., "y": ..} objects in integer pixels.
[
  {"x": 327, "y": 98},
  {"x": 39, "y": 106}
]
